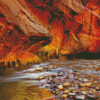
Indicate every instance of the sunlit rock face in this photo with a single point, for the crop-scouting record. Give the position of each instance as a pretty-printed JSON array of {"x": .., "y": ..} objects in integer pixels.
[
  {"x": 89, "y": 34},
  {"x": 64, "y": 26},
  {"x": 74, "y": 24},
  {"x": 21, "y": 34}
]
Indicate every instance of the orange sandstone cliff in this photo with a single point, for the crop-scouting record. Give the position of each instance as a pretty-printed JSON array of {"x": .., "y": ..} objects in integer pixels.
[{"x": 31, "y": 29}]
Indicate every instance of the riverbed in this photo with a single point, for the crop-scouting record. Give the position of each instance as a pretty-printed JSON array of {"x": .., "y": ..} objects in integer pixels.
[{"x": 49, "y": 82}]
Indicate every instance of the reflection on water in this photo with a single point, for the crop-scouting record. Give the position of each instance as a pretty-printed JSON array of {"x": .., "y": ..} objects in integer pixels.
[
  {"x": 25, "y": 85},
  {"x": 19, "y": 91}
]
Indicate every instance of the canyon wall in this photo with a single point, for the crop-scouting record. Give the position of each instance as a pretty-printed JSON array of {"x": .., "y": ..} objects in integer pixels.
[{"x": 34, "y": 29}]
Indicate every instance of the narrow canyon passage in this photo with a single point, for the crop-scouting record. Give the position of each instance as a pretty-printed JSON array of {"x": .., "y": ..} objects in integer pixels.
[{"x": 49, "y": 49}]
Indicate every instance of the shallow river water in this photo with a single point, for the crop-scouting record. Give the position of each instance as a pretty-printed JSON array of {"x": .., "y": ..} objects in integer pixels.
[{"x": 53, "y": 80}]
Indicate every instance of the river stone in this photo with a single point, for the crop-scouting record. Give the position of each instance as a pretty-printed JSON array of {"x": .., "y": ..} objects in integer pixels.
[{"x": 80, "y": 97}]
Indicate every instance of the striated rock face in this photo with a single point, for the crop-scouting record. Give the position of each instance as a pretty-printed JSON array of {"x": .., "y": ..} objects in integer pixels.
[
  {"x": 20, "y": 32},
  {"x": 28, "y": 25},
  {"x": 74, "y": 4},
  {"x": 74, "y": 24}
]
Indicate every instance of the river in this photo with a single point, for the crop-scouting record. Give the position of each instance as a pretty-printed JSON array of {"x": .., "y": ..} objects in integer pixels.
[{"x": 32, "y": 84}]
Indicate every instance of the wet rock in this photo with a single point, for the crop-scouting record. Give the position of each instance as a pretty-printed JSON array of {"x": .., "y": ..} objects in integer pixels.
[
  {"x": 48, "y": 86},
  {"x": 66, "y": 91},
  {"x": 79, "y": 78},
  {"x": 85, "y": 80},
  {"x": 83, "y": 92},
  {"x": 66, "y": 84},
  {"x": 45, "y": 67},
  {"x": 88, "y": 84},
  {"x": 67, "y": 77},
  {"x": 95, "y": 82},
  {"x": 39, "y": 69},
  {"x": 60, "y": 87},
  {"x": 54, "y": 87},
  {"x": 83, "y": 88},
  {"x": 49, "y": 68},
  {"x": 40, "y": 77},
  {"x": 78, "y": 74},
  {"x": 97, "y": 88},
  {"x": 63, "y": 96},
  {"x": 81, "y": 84},
  {"x": 90, "y": 92},
  {"x": 55, "y": 91},
  {"x": 49, "y": 78},
  {"x": 80, "y": 97},
  {"x": 71, "y": 94},
  {"x": 60, "y": 74},
  {"x": 54, "y": 75},
  {"x": 53, "y": 67},
  {"x": 92, "y": 97},
  {"x": 74, "y": 91}
]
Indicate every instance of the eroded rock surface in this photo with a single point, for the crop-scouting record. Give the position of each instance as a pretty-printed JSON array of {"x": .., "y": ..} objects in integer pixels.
[
  {"x": 74, "y": 24},
  {"x": 27, "y": 25},
  {"x": 19, "y": 30}
]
